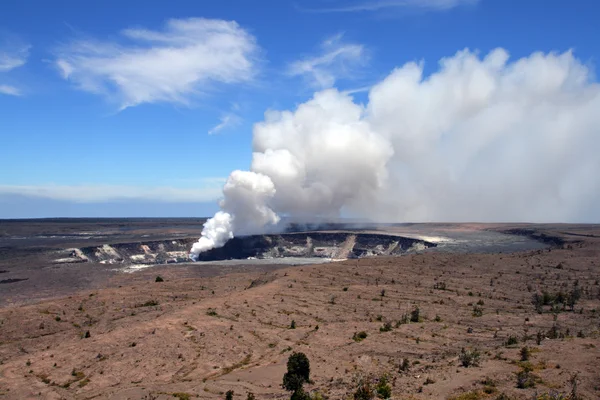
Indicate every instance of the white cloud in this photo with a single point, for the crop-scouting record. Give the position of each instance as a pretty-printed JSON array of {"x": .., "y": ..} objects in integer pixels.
[
  {"x": 376, "y": 5},
  {"x": 9, "y": 90},
  {"x": 208, "y": 190},
  {"x": 13, "y": 57},
  {"x": 336, "y": 59},
  {"x": 185, "y": 59},
  {"x": 229, "y": 120}
]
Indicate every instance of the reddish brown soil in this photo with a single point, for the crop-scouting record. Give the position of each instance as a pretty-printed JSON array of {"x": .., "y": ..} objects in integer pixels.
[{"x": 137, "y": 351}]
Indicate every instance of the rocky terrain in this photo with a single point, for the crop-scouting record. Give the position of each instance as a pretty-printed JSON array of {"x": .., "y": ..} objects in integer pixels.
[{"x": 437, "y": 324}]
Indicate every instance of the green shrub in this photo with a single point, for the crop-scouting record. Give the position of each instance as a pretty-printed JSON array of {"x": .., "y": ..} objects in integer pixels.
[
  {"x": 525, "y": 379},
  {"x": 386, "y": 327},
  {"x": 469, "y": 358},
  {"x": 298, "y": 373},
  {"x": 360, "y": 336},
  {"x": 383, "y": 388},
  {"x": 364, "y": 390},
  {"x": 511, "y": 341},
  {"x": 159, "y": 279},
  {"x": 229, "y": 395}
]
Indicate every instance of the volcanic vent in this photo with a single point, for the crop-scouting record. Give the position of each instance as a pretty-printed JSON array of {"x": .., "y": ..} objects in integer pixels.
[{"x": 332, "y": 245}]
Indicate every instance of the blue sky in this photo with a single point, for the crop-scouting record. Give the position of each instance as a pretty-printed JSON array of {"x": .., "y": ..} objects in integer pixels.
[{"x": 137, "y": 108}]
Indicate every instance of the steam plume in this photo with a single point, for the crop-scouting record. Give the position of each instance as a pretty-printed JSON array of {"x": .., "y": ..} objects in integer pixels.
[{"x": 481, "y": 139}]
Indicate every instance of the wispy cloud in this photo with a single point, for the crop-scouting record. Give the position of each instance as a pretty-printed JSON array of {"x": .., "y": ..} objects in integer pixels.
[
  {"x": 229, "y": 120},
  {"x": 10, "y": 90},
  {"x": 12, "y": 56},
  {"x": 376, "y": 5},
  {"x": 183, "y": 60},
  {"x": 336, "y": 59},
  {"x": 206, "y": 190}
]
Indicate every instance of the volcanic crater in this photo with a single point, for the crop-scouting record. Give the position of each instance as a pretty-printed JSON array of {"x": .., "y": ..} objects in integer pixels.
[{"x": 326, "y": 245}]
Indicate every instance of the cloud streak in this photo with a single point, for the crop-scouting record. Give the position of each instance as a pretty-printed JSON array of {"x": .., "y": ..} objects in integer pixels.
[
  {"x": 12, "y": 56},
  {"x": 378, "y": 5},
  {"x": 335, "y": 60},
  {"x": 229, "y": 120},
  {"x": 208, "y": 190},
  {"x": 10, "y": 90},
  {"x": 186, "y": 59}
]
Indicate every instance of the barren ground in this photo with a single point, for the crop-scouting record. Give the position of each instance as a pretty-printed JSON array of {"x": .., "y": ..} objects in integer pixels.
[{"x": 205, "y": 335}]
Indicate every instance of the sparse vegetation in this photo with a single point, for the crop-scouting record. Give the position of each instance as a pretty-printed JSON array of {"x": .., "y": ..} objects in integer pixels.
[
  {"x": 525, "y": 379},
  {"x": 422, "y": 357},
  {"x": 364, "y": 390},
  {"x": 360, "y": 336},
  {"x": 383, "y": 388},
  {"x": 557, "y": 301},
  {"x": 182, "y": 395},
  {"x": 415, "y": 315},
  {"x": 159, "y": 279},
  {"x": 387, "y": 326},
  {"x": 229, "y": 395},
  {"x": 404, "y": 365},
  {"x": 149, "y": 303},
  {"x": 212, "y": 312},
  {"x": 469, "y": 357},
  {"x": 511, "y": 341}
]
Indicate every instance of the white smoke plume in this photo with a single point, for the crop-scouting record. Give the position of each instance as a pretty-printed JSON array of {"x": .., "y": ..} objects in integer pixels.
[{"x": 481, "y": 139}]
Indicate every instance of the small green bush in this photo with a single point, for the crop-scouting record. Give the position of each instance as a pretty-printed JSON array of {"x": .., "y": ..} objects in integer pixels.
[
  {"x": 364, "y": 390},
  {"x": 383, "y": 388},
  {"x": 469, "y": 358},
  {"x": 386, "y": 327},
  {"x": 511, "y": 341}
]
